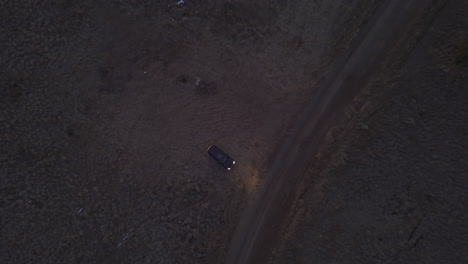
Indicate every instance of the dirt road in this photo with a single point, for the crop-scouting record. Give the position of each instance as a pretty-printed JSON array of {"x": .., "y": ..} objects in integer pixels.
[{"x": 258, "y": 230}]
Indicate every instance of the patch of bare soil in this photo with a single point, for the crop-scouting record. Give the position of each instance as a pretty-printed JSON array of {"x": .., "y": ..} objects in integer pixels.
[
  {"x": 107, "y": 109},
  {"x": 390, "y": 186}
]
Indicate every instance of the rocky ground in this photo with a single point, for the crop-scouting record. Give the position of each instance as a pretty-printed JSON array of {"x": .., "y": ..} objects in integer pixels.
[
  {"x": 391, "y": 183},
  {"x": 107, "y": 108}
]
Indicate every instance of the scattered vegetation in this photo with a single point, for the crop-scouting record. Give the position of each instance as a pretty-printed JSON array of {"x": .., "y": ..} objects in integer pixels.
[{"x": 461, "y": 55}]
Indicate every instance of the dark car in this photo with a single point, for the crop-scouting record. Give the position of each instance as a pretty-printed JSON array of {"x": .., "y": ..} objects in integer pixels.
[{"x": 221, "y": 157}]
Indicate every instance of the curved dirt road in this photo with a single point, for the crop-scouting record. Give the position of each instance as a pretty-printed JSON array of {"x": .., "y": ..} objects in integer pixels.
[{"x": 258, "y": 230}]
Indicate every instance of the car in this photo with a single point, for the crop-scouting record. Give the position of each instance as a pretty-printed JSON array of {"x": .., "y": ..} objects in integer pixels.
[{"x": 221, "y": 157}]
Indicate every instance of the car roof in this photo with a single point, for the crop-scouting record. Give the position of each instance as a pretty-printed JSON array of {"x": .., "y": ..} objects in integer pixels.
[{"x": 214, "y": 150}]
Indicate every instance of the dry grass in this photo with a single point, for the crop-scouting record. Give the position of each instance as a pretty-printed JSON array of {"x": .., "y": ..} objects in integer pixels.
[{"x": 461, "y": 55}]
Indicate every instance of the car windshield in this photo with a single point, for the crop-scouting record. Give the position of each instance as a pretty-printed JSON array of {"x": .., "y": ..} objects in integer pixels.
[{"x": 221, "y": 157}]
